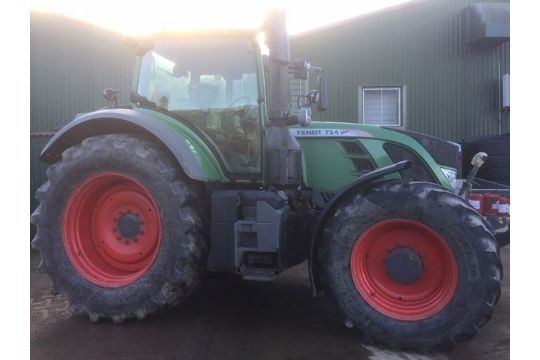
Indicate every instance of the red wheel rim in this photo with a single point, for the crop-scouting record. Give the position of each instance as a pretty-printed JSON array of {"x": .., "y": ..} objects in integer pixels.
[
  {"x": 111, "y": 229},
  {"x": 424, "y": 297}
]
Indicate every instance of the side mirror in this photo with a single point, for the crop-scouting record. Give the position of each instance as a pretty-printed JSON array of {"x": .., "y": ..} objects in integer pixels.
[{"x": 322, "y": 101}]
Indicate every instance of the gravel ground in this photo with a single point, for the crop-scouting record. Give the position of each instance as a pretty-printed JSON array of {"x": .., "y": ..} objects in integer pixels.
[{"x": 233, "y": 319}]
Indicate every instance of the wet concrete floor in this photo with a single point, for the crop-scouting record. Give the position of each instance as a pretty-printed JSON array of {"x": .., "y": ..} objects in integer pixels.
[{"x": 234, "y": 319}]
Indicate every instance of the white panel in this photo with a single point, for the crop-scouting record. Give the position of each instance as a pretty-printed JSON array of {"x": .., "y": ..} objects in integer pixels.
[{"x": 381, "y": 106}]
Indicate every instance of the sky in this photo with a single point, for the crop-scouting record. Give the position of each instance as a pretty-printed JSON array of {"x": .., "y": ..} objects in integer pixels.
[{"x": 137, "y": 18}]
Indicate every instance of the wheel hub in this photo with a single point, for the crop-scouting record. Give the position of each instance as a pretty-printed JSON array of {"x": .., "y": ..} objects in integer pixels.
[
  {"x": 111, "y": 229},
  {"x": 129, "y": 226},
  {"x": 404, "y": 269},
  {"x": 404, "y": 265}
]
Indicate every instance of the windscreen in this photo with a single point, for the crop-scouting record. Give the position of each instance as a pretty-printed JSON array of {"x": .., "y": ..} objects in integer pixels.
[{"x": 212, "y": 83}]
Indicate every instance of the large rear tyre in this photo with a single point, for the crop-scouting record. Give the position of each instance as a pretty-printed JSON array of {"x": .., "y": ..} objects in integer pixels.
[
  {"x": 411, "y": 265},
  {"x": 119, "y": 229}
]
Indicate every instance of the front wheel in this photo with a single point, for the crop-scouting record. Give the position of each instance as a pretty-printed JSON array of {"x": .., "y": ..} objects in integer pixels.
[{"x": 412, "y": 265}]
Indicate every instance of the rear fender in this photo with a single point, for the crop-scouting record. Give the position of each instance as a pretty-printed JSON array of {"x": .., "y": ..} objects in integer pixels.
[{"x": 194, "y": 157}]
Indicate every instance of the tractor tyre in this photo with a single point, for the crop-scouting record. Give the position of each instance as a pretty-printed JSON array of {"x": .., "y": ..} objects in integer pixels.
[
  {"x": 120, "y": 229},
  {"x": 411, "y": 265}
]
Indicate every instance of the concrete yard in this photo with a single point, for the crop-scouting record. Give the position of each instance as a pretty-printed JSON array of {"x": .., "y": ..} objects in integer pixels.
[{"x": 232, "y": 319}]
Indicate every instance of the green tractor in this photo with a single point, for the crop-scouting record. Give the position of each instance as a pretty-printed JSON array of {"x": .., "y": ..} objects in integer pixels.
[{"x": 207, "y": 169}]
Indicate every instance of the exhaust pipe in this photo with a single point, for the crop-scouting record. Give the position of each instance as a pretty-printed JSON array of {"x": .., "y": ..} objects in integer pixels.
[
  {"x": 283, "y": 166},
  {"x": 279, "y": 48}
]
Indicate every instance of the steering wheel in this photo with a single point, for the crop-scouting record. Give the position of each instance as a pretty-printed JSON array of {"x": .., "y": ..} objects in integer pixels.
[{"x": 243, "y": 97}]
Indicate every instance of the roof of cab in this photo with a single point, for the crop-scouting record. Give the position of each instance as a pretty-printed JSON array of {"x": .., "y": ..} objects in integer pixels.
[
  {"x": 200, "y": 33},
  {"x": 142, "y": 43}
]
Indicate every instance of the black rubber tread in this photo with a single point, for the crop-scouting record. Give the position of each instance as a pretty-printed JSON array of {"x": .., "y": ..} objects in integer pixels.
[
  {"x": 181, "y": 259},
  {"x": 503, "y": 239},
  {"x": 466, "y": 232},
  {"x": 497, "y": 166}
]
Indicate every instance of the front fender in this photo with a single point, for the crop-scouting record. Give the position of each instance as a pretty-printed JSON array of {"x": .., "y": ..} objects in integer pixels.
[
  {"x": 191, "y": 153},
  {"x": 333, "y": 205}
]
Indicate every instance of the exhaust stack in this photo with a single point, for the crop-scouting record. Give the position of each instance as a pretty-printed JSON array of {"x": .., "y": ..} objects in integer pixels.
[{"x": 283, "y": 155}]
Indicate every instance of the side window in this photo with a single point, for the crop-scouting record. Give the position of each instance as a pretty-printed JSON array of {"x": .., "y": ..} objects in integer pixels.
[
  {"x": 244, "y": 89},
  {"x": 219, "y": 88},
  {"x": 219, "y": 101},
  {"x": 381, "y": 106},
  {"x": 156, "y": 81}
]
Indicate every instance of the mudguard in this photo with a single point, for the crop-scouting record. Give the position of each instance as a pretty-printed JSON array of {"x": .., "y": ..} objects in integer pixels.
[
  {"x": 332, "y": 205},
  {"x": 192, "y": 154}
]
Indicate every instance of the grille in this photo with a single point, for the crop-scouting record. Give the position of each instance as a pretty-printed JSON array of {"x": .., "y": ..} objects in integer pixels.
[
  {"x": 359, "y": 156},
  {"x": 352, "y": 147}
]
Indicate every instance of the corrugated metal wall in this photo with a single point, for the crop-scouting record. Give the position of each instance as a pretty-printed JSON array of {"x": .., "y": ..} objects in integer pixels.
[
  {"x": 70, "y": 64},
  {"x": 451, "y": 90}
]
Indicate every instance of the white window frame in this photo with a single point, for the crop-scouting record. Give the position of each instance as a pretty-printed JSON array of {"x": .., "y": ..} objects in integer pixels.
[{"x": 401, "y": 107}]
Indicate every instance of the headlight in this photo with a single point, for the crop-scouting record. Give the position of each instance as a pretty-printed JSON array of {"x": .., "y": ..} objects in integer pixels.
[{"x": 451, "y": 175}]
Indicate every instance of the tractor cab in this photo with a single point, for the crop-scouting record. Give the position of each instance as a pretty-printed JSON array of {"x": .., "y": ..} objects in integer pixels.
[
  {"x": 224, "y": 85},
  {"x": 214, "y": 83}
]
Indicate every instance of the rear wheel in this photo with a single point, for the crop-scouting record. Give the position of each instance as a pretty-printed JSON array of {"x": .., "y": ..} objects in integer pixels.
[
  {"x": 412, "y": 265},
  {"x": 120, "y": 231}
]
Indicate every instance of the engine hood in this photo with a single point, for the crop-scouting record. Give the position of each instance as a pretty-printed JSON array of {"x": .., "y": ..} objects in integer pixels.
[{"x": 322, "y": 142}]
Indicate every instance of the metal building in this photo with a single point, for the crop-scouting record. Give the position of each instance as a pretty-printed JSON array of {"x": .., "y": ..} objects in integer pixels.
[
  {"x": 433, "y": 66},
  {"x": 71, "y": 62}
]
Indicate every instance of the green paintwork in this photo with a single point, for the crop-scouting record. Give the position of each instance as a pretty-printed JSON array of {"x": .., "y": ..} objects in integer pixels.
[
  {"x": 198, "y": 147},
  {"x": 326, "y": 166}
]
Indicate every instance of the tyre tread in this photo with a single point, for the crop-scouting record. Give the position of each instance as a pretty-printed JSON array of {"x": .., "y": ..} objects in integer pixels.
[{"x": 189, "y": 201}]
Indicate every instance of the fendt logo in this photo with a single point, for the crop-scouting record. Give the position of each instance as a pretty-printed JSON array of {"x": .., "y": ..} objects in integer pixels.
[{"x": 329, "y": 133}]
